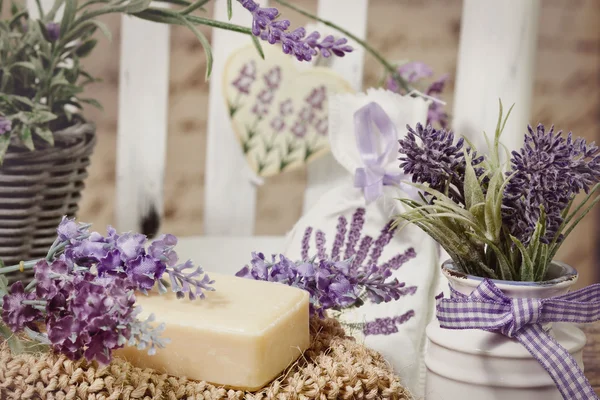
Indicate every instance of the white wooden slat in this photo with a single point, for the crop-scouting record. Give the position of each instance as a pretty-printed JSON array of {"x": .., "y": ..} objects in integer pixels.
[
  {"x": 46, "y": 6},
  {"x": 230, "y": 195},
  {"x": 496, "y": 59},
  {"x": 142, "y": 124},
  {"x": 325, "y": 173}
]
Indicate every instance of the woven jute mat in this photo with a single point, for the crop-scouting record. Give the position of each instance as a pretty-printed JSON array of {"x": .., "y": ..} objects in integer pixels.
[{"x": 334, "y": 367}]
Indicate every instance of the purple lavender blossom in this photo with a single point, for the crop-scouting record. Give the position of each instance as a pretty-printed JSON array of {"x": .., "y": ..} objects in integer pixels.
[
  {"x": 278, "y": 124},
  {"x": 299, "y": 129},
  {"x": 266, "y": 96},
  {"x": 17, "y": 315},
  {"x": 84, "y": 292},
  {"x": 322, "y": 126},
  {"x": 307, "y": 115},
  {"x": 384, "y": 238},
  {"x": 5, "y": 125},
  {"x": 320, "y": 241},
  {"x": 246, "y": 77},
  {"x": 549, "y": 171},
  {"x": 272, "y": 78},
  {"x": 266, "y": 26},
  {"x": 53, "y": 29},
  {"x": 435, "y": 159},
  {"x": 338, "y": 241},
  {"x": 317, "y": 97},
  {"x": 331, "y": 284},
  {"x": 286, "y": 107},
  {"x": 358, "y": 220},
  {"x": 305, "y": 242},
  {"x": 411, "y": 72},
  {"x": 414, "y": 72},
  {"x": 260, "y": 109}
]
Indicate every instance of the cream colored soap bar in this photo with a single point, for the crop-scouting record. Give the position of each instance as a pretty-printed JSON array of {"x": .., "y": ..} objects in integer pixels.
[{"x": 243, "y": 335}]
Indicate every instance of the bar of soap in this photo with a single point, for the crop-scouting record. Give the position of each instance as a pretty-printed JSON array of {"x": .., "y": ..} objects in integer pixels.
[{"x": 243, "y": 335}]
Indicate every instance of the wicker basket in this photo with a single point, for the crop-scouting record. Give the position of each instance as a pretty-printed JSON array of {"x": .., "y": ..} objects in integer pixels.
[{"x": 37, "y": 188}]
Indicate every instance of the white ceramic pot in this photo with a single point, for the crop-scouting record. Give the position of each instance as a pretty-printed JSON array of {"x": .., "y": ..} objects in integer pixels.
[{"x": 479, "y": 365}]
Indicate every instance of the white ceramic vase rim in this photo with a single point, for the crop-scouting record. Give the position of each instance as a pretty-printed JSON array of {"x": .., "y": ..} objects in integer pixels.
[{"x": 565, "y": 275}]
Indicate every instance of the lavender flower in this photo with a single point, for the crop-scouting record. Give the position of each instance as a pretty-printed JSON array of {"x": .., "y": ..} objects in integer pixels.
[
  {"x": 299, "y": 129},
  {"x": 387, "y": 325},
  {"x": 339, "y": 238},
  {"x": 272, "y": 78},
  {"x": 322, "y": 126},
  {"x": 53, "y": 30},
  {"x": 266, "y": 26},
  {"x": 317, "y": 97},
  {"x": 330, "y": 284},
  {"x": 306, "y": 115},
  {"x": 5, "y": 125},
  {"x": 84, "y": 292},
  {"x": 358, "y": 220},
  {"x": 320, "y": 238},
  {"x": 278, "y": 124},
  {"x": 17, "y": 315},
  {"x": 286, "y": 107},
  {"x": 415, "y": 71},
  {"x": 436, "y": 160},
  {"x": 246, "y": 77},
  {"x": 549, "y": 171}
]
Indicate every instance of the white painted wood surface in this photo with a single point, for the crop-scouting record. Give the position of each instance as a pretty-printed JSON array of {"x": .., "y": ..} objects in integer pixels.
[
  {"x": 142, "y": 122},
  {"x": 325, "y": 173},
  {"x": 226, "y": 254},
  {"x": 230, "y": 194},
  {"x": 34, "y": 13},
  {"x": 498, "y": 42}
]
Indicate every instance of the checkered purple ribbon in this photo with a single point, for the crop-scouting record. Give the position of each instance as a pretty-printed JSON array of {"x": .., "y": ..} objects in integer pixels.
[{"x": 489, "y": 309}]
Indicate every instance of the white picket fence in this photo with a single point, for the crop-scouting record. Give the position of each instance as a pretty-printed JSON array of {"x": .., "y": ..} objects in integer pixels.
[{"x": 496, "y": 60}]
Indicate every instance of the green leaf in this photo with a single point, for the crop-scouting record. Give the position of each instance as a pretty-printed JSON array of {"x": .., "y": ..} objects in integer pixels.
[
  {"x": 4, "y": 143},
  {"x": 68, "y": 16},
  {"x": 42, "y": 117},
  {"x": 92, "y": 102},
  {"x": 258, "y": 46},
  {"x": 473, "y": 191},
  {"x": 527, "y": 274},
  {"x": 136, "y": 6},
  {"x": 45, "y": 134},
  {"x": 21, "y": 99},
  {"x": 24, "y": 64},
  {"x": 492, "y": 211},
  {"x": 229, "y": 10},
  {"x": 506, "y": 270},
  {"x": 86, "y": 48},
  {"x": 26, "y": 138},
  {"x": 103, "y": 28}
]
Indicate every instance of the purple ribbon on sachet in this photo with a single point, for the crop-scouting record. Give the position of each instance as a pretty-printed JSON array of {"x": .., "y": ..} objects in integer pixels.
[
  {"x": 372, "y": 177},
  {"x": 489, "y": 309}
]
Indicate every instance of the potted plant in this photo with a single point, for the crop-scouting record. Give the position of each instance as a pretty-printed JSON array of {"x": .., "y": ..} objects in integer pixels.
[
  {"x": 502, "y": 224},
  {"x": 45, "y": 139}
]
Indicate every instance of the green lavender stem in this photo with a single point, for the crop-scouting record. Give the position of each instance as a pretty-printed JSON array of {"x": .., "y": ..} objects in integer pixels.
[
  {"x": 386, "y": 64},
  {"x": 12, "y": 268}
]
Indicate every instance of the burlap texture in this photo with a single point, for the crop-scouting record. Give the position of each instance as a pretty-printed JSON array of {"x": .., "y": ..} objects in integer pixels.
[{"x": 334, "y": 367}]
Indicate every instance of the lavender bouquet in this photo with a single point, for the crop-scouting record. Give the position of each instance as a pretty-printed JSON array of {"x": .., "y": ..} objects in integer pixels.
[
  {"x": 499, "y": 220},
  {"x": 82, "y": 300}
]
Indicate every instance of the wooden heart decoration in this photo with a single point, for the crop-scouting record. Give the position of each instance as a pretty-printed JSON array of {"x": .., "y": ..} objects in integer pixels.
[{"x": 279, "y": 113}]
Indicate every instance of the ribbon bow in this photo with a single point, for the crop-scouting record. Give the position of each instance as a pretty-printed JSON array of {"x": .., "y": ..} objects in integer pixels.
[
  {"x": 489, "y": 309},
  {"x": 373, "y": 176}
]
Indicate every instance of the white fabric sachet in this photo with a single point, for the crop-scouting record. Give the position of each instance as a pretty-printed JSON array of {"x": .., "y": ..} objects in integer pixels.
[{"x": 395, "y": 329}]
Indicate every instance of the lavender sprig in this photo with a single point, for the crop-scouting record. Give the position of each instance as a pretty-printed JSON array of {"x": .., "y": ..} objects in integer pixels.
[
  {"x": 266, "y": 26},
  {"x": 84, "y": 291},
  {"x": 331, "y": 285}
]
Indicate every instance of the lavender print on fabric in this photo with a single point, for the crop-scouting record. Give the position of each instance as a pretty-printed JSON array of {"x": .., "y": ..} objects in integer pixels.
[{"x": 362, "y": 253}]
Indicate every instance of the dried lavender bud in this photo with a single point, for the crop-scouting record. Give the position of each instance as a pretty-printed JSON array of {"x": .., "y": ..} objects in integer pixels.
[
  {"x": 435, "y": 160},
  {"x": 53, "y": 30},
  {"x": 549, "y": 171}
]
